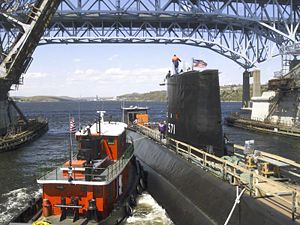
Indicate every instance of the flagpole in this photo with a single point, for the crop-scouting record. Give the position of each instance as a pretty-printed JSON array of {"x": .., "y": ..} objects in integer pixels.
[
  {"x": 79, "y": 108},
  {"x": 192, "y": 64},
  {"x": 71, "y": 143}
]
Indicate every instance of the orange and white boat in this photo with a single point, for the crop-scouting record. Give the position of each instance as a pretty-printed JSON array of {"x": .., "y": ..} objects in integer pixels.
[{"x": 97, "y": 186}]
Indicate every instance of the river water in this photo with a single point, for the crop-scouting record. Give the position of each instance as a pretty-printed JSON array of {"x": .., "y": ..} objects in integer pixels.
[{"x": 20, "y": 169}]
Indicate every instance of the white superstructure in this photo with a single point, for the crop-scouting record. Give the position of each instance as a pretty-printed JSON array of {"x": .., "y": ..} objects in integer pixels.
[{"x": 106, "y": 129}]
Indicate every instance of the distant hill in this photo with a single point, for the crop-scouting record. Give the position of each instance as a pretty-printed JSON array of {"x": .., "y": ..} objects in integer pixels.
[
  {"x": 235, "y": 92},
  {"x": 227, "y": 93},
  {"x": 43, "y": 99},
  {"x": 159, "y": 96}
]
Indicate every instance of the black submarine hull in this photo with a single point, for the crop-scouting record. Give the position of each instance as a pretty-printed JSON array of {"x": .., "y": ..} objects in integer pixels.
[{"x": 194, "y": 196}]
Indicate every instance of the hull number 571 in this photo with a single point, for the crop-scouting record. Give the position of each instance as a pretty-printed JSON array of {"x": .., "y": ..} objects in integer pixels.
[{"x": 171, "y": 128}]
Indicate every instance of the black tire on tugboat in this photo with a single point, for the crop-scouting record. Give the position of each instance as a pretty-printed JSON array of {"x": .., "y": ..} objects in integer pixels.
[
  {"x": 128, "y": 209},
  {"x": 140, "y": 169},
  {"x": 139, "y": 189},
  {"x": 132, "y": 201},
  {"x": 142, "y": 183}
]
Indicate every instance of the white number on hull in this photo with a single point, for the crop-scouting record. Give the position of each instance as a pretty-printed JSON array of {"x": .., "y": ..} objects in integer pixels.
[{"x": 171, "y": 128}]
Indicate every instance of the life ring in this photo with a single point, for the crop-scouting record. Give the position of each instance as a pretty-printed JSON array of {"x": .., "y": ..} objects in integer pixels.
[
  {"x": 132, "y": 201},
  {"x": 41, "y": 222},
  {"x": 128, "y": 209}
]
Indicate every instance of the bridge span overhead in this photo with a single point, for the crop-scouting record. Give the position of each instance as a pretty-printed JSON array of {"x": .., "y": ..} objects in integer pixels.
[{"x": 246, "y": 31}]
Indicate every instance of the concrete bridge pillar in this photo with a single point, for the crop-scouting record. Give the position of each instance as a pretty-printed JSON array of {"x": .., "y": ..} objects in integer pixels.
[
  {"x": 246, "y": 89},
  {"x": 256, "y": 83}
]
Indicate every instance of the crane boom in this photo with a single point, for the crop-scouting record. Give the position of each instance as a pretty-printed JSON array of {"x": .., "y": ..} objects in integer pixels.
[
  {"x": 18, "y": 56},
  {"x": 18, "y": 59}
]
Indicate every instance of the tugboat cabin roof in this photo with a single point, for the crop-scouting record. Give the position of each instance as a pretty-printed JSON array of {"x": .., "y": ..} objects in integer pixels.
[
  {"x": 135, "y": 108},
  {"x": 107, "y": 129}
]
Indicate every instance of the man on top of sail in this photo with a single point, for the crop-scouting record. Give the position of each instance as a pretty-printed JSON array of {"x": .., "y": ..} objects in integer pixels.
[{"x": 176, "y": 60}]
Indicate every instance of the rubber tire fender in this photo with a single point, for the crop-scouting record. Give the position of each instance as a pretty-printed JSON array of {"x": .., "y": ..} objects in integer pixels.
[
  {"x": 128, "y": 209},
  {"x": 142, "y": 183},
  {"x": 139, "y": 189},
  {"x": 132, "y": 201}
]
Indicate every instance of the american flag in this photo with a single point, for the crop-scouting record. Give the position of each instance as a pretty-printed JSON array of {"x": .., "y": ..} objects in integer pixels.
[
  {"x": 72, "y": 125},
  {"x": 199, "y": 63}
]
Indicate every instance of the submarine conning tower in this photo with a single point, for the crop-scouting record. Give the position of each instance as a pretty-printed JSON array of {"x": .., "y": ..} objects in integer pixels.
[{"x": 194, "y": 110}]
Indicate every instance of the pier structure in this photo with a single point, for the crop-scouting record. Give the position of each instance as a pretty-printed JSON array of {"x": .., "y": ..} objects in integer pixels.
[
  {"x": 256, "y": 86},
  {"x": 245, "y": 31}
]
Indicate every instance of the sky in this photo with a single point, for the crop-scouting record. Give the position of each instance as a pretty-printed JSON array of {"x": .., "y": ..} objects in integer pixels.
[{"x": 108, "y": 70}]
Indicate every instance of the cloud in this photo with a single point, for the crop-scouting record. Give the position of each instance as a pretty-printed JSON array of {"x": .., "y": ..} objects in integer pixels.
[
  {"x": 85, "y": 75},
  {"x": 119, "y": 76},
  {"x": 77, "y": 60},
  {"x": 36, "y": 75},
  {"x": 111, "y": 58}
]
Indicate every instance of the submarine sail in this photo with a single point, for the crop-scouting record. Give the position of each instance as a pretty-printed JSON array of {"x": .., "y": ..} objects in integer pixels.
[{"x": 194, "y": 110}]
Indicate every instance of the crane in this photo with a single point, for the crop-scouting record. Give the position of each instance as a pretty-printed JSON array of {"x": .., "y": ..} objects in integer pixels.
[{"x": 17, "y": 59}]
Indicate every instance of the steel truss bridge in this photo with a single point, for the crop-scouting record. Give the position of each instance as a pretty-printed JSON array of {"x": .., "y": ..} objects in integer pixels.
[{"x": 246, "y": 31}]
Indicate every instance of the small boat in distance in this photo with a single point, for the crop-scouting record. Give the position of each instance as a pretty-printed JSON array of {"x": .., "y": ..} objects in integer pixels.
[{"x": 99, "y": 185}]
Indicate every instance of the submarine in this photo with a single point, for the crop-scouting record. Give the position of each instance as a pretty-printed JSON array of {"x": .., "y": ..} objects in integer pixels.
[{"x": 190, "y": 193}]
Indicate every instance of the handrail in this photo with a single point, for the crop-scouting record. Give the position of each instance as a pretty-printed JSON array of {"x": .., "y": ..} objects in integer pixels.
[
  {"x": 108, "y": 173},
  {"x": 227, "y": 169},
  {"x": 269, "y": 155}
]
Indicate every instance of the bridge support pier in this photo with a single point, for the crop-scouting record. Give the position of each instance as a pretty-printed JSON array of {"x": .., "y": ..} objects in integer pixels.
[
  {"x": 246, "y": 89},
  {"x": 256, "y": 83},
  {"x": 8, "y": 115}
]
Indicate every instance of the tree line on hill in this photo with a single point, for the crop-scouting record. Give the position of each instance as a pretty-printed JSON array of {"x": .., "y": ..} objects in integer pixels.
[{"x": 227, "y": 93}]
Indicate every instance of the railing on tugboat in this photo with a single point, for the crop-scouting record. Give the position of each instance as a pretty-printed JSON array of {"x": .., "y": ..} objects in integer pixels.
[
  {"x": 100, "y": 174},
  {"x": 256, "y": 184},
  {"x": 114, "y": 169}
]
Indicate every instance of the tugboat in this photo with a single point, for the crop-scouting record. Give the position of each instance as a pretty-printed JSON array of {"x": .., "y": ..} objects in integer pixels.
[{"x": 99, "y": 185}]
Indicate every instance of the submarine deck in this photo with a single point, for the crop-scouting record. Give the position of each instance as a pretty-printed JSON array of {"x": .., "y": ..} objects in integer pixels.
[{"x": 277, "y": 193}]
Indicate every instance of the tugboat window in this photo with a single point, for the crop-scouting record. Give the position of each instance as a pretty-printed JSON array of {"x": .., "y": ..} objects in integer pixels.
[{"x": 110, "y": 140}]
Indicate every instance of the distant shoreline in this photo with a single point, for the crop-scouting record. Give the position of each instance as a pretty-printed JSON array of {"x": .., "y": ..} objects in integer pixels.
[{"x": 228, "y": 93}]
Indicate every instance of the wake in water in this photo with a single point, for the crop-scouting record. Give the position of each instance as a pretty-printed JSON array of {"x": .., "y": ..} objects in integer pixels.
[
  {"x": 148, "y": 212},
  {"x": 14, "y": 201}
]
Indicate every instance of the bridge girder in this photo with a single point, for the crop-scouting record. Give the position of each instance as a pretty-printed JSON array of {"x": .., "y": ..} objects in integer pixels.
[
  {"x": 236, "y": 44},
  {"x": 246, "y": 31}
]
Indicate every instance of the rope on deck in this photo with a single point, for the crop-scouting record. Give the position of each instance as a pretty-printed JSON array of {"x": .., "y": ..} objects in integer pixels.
[{"x": 237, "y": 201}]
